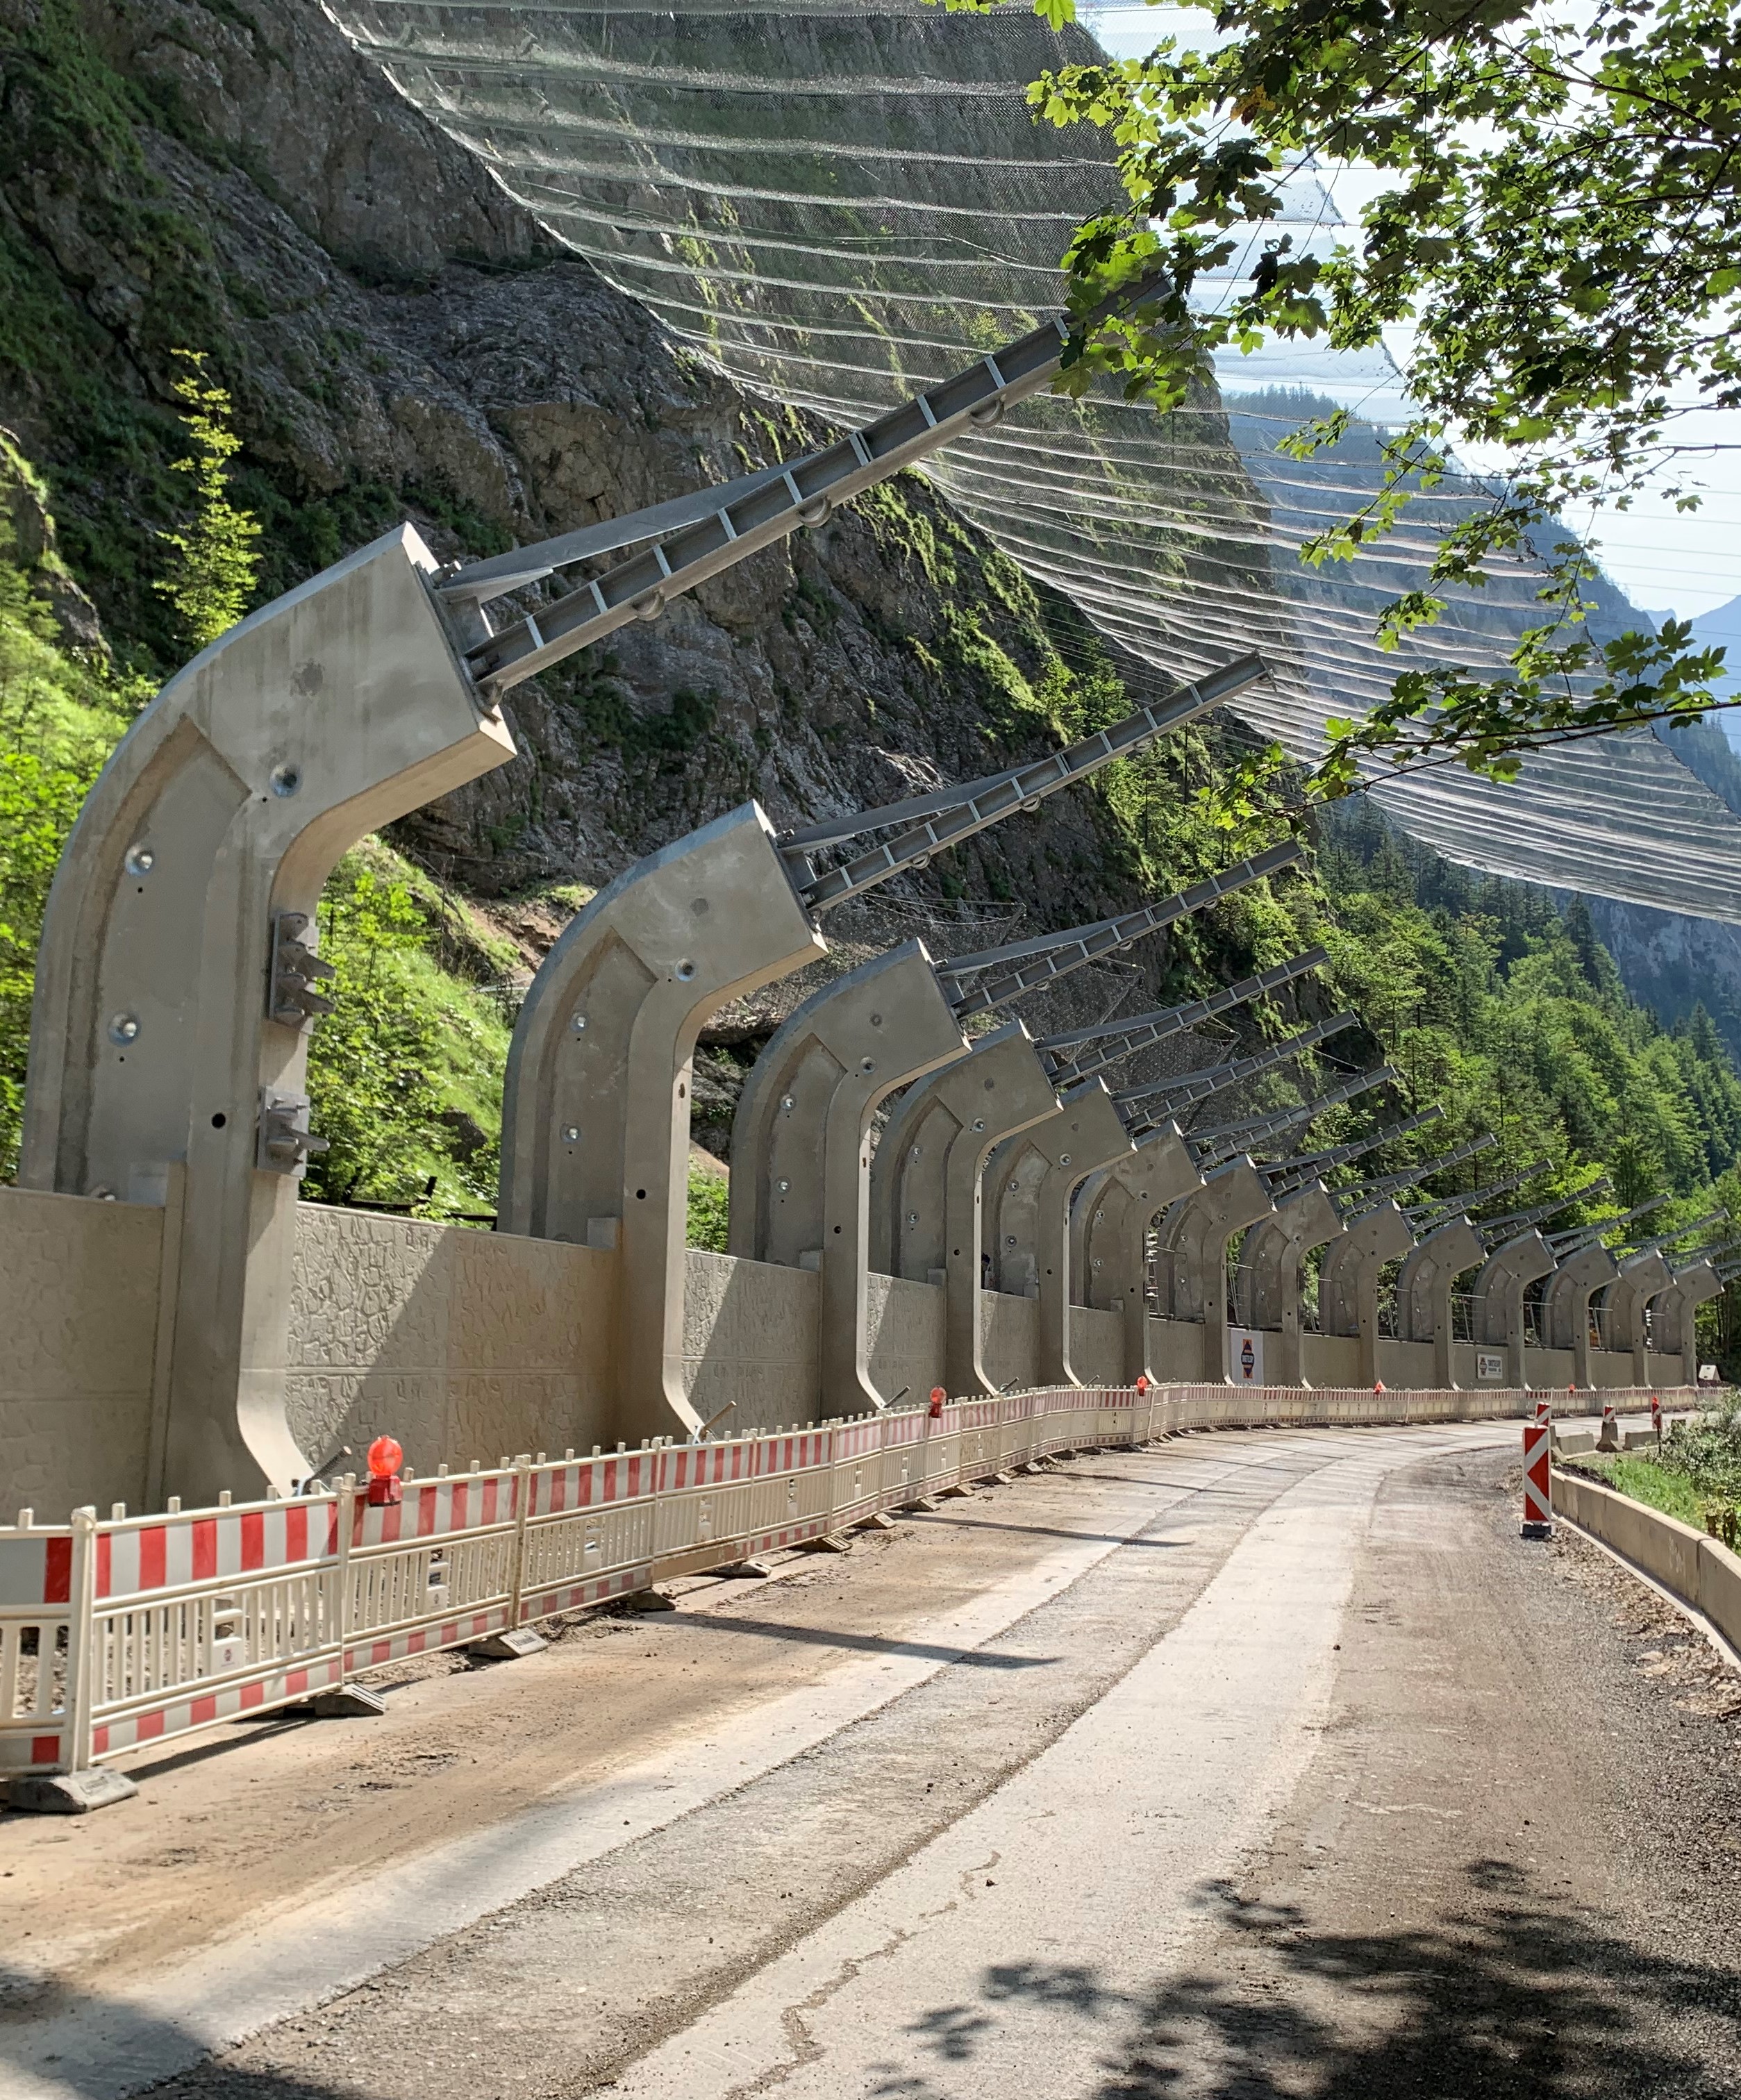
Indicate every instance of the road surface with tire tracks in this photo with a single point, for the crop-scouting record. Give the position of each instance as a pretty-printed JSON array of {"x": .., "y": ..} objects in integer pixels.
[{"x": 1256, "y": 1763}]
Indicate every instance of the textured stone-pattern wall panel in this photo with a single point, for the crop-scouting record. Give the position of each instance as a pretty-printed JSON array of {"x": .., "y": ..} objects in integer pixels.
[
  {"x": 1405, "y": 1363},
  {"x": 1097, "y": 1345},
  {"x": 1553, "y": 1368},
  {"x": 79, "y": 1289},
  {"x": 1330, "y": 1359},
  {"x": 1010, "y": 1338},
  {"x": 463, "y": 1345},
  {"x": 1613, "y": 1367},
  {"x": 1176, "y": 1348},
  {"x": 750, "y": 1337},
  {"x": 906, "y": 1333}
]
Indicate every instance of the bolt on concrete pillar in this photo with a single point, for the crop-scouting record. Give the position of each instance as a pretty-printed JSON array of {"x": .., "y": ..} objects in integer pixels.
[
  {"x": 1497, "y": 1310},
  {"x": 1110, "y": 1222},
  {"x": 800, "y": 1183},
  {"x": 1193, "y": 1253},
  {"x": 1425, "y": 1287},
  {"x": 1348, "y": 1280},
  {"x": 927, "y": 1210},
  {"x": 1029, "y": 1182},
  {"x": 1267, "y": 1297},
  {"x": 595, "y": 1126},
  {"x": 176, "y": 975}
]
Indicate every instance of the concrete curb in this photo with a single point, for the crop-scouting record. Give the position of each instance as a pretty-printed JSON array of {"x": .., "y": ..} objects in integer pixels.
[{"x": 1698, "y": 1571}]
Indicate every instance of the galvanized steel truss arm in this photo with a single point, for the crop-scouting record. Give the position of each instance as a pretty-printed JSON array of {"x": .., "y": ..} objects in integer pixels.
[
  {"x": 1285, "y": 1175},
  {"x": 1155, "y": 1103},
  {"x": 750, "y": 518},
  {"x": 926, "y": 824},
  {"x": 1496, "y": 1230},
  {"x": 1364, "y": 1196},
  {"x": 1427, "y": 1217},
  {"x": 1120, "y": 1040},
  {"x": 1049, "y": 956},
  {"x": 1210, "y": 1147}
]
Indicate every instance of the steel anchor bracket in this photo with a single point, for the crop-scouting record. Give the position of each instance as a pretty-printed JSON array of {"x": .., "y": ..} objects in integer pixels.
[
  {"x": 295, "y": 969},
  {"x": 286, "y": 1143}
]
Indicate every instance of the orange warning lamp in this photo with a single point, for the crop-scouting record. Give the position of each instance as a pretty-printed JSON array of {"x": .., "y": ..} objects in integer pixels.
[
  {"x": 1142, "y": 1383},
  {"x": 938, "y": 1398},
  {"x": 384, "y": 1458}
]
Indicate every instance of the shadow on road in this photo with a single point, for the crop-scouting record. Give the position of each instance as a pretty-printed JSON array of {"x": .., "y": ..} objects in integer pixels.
[{"x": 1512, "y": 1996}]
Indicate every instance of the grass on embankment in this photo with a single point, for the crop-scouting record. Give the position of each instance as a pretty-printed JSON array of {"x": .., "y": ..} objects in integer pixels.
[{"x": 1645, "y": 1481}]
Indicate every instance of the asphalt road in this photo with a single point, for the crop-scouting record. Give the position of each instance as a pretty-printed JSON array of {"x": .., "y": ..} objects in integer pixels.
[{"x": 1254, "y": 1765}]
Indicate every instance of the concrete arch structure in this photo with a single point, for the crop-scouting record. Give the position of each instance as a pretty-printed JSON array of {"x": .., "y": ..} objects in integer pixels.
[
  {"x": 800, "y": 1185},
  {"x": 1268, "y": 1283},
  {"x": 1566, "y": 1305},
  {"x": 1498, "y": 1312},
  {"x": 1193, "y": 1253},
  {"x": 596, "y": 1112},
  {"x": 1673, "y": 1315},
  {"x": 1624, "y": 1302},
  {"x": 927, "y": 1195},
  {"x": 1030, "y": 1181},
  {"x": 1110, "y": 1221},
  {"x": 1348, "y": 1280},
  {"x": 1424, "y": 1288},
  {"x": 175, "y": 980}
]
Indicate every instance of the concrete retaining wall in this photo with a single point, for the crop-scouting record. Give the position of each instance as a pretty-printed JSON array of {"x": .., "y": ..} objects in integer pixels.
[
  {"x": 750, "y": 1336},
  {"x": 79, "y": 1282},
  {"x": 906, "y": 1338},
  {"x": 1010, "y": 1338},
  {"x": 449, "y": 1341},
  {"x": 1097, "y": 1345},
  {"x": 1700, "y": 1570},
  {"x": 1331, "y": 1359}
]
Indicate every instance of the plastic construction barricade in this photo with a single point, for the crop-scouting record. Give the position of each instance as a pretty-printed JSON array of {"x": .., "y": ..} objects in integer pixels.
[{"x": 132, "y": 1631}]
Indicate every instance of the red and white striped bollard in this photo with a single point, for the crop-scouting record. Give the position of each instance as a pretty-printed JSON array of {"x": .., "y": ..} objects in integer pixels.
[{"x": 1538, "y": 1472}]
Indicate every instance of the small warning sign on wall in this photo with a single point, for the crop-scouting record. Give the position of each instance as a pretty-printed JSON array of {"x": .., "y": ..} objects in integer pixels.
[{"x": 1245, "y": 1353}]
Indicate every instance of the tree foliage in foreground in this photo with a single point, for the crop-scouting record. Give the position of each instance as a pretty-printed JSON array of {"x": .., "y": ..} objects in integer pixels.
[{"x": 1559, "y": 231}]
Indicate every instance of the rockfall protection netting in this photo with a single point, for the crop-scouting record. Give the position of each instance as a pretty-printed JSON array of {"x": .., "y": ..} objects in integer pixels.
[{"x": 835, "y": 204}]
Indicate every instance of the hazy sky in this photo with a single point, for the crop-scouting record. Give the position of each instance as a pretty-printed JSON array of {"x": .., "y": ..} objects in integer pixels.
[{"x": 1666, "y": 561}]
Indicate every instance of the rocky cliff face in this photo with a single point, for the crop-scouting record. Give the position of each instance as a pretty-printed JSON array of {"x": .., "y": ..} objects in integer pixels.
[{"x": 400, "y": 339}]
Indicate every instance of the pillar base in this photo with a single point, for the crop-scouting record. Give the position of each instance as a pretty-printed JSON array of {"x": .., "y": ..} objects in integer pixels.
[{"x": 69, "y": 1793}]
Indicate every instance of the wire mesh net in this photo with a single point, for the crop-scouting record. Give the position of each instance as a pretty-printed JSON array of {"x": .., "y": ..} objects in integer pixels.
[{"x": 837, "y": 206}]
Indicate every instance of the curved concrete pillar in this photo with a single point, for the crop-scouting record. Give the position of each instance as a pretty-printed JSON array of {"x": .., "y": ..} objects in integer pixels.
[
  {"x": 1029, "y": 1181},
  {"x": 1348, "y": 1280},
  {"x": 1624, "y": 1300},
  {"x": 926, "y": 1207},
  {"x": 1424, "y": 1290},
  {"x": 801, "y": 1146},
  {"x": 1566, "y": 1305},
  {"x": 1497, "y": 1311},
  {"x": 1193, "y": 1252},
  {"x": 1109, "y": 1224},
  {"x": 1267, "y": 1290},
  {"x": 596, "y": 1112},
  {"x": 167, "y": 1032},
  {"x": 1673, "y": 1314}
]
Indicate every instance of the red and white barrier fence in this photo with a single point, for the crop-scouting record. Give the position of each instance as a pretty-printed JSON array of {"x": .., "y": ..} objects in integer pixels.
[{"x": 135, "y": 1630}]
